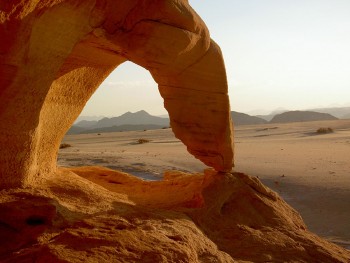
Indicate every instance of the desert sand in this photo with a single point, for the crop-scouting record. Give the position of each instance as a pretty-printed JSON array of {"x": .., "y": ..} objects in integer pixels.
[{"x": 309, "y": 170}]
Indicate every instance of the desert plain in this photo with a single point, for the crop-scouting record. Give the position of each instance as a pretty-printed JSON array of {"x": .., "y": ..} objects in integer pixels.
[{"x": 311, "y": 171}]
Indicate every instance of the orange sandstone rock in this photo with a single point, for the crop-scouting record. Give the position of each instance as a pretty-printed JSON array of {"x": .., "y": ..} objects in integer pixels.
[
  {"x": 218, "y": 217},
  {"x": 54, "y": 54}
]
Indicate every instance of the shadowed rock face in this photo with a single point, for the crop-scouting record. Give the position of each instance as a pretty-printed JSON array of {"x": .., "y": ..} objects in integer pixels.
[{"x": 54, "y": 55}]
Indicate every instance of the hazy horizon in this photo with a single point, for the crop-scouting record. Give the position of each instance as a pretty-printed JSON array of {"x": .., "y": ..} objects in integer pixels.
[
  {"x": 293, "y": 55},
  {"x": 165, "y": 114}
]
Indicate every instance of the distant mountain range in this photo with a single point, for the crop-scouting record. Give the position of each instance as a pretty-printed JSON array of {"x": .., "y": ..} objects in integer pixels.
[
  {"x": 338, "y": 112},
  {"x": 245, "y": 119},
  {"x": 129, "y": 121},
  {"x": 301, "y": 116},
  {"x": 142, "y": 120},
  {"x": 88, "y": 118},
  {"x": 129, "y": 118}
]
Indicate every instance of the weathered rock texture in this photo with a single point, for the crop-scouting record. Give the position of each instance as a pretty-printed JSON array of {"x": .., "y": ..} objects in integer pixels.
[
  {"x": 55, "y": 53},
  {"x": 227, "y": 217}
]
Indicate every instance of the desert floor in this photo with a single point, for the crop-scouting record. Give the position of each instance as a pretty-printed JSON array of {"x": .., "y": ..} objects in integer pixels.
[{"x": 310, "y": 171}]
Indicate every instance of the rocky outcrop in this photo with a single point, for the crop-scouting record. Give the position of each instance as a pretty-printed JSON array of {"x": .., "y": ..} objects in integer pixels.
[
  {"x": 55, "y": 53},
  {"x": 53, "y": 56},
  {"x": 115, "y": 217}
]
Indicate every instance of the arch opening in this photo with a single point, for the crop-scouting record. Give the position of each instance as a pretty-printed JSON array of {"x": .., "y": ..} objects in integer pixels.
[
  {"x": 176, "y": 49},
  {"x": 129, "y": 87},
  {"x": 124, "y": 110}
]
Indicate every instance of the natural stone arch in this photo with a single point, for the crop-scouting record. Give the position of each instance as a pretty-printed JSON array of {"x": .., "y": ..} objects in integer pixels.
[
  {"x": 63, "y": 50},
  {"x": 50, "y": 46}
]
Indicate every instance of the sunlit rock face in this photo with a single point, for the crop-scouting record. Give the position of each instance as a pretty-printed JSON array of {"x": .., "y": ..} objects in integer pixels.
[
  {"x": 109, "y": 216},
  {"x": 54, "y": 55}
]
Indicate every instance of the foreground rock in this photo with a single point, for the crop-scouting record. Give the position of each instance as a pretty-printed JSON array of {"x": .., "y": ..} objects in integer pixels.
[{"x": 227, "y": 217}]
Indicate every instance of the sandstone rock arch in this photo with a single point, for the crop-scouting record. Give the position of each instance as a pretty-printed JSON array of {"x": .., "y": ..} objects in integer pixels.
[
  {"x": 53, "y": 55},
  {"x": 57, "y": 53}
]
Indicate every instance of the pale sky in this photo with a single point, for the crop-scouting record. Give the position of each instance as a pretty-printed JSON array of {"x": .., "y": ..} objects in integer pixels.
[{"x": 293, "y": 54}]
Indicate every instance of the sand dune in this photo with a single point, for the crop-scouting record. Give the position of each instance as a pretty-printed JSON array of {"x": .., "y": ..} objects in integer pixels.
[{"x": 309, "y": 170}]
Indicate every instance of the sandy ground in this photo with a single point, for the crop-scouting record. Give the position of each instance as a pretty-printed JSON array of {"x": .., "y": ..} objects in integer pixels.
[{"x": 310, "y": 171}]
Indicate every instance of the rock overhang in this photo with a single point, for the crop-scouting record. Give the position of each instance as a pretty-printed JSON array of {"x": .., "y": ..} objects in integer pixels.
[{"x": 63, "y": 50}]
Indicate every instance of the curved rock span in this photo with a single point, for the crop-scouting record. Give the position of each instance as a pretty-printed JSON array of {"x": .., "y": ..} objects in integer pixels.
[{"x": 53, "y": 56}]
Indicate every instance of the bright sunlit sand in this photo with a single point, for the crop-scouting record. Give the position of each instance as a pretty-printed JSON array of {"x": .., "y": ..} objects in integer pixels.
[{"x": 309, "y": 170}]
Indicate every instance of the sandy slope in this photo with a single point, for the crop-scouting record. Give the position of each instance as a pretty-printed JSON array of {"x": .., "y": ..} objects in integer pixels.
[{"x": 311, "y": 171}]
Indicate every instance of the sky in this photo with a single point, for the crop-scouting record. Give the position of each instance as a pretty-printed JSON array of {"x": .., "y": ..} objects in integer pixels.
[{"x": 285, "y": 54}]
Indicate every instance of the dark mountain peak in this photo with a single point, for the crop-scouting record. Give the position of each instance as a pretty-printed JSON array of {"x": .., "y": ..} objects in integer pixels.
[
  {"x": 142, "y": 113},
  {"x": 245, "y": 119},
  {"x": 301, "y": 116},
  {"x": 129, "y": 118},
  {"x": 128, "y": 113}
]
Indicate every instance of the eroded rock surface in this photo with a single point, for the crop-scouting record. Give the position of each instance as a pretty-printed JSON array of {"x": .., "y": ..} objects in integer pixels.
[
  {"x": 227, "y": 217},
  {"x": 54, "y": 54}
]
